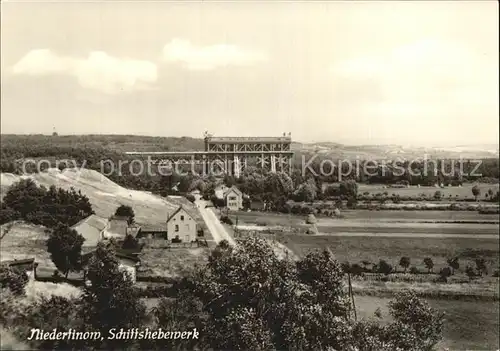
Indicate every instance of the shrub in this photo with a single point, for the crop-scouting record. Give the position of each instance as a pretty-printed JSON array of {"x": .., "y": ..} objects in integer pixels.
[
  {"x": 190, "y": 197},
  {"x": 470, "y": 272},
  {"x": 176, "y": 240},
  {"x": 414, "y": 270},
  {"x": 130, "y": 243},
  {"x": 444, "y": 274},
  {"x": 356, "y": 270},
  {"x": 13, "y": 280},
  {"x": 226, "y": 219},
  {"x": 384, "y": 267},
  {"x": 126, "y": 211}
]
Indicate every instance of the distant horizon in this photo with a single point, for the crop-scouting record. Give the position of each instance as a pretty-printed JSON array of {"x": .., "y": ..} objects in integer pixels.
[{"x": 497, "y": 145}]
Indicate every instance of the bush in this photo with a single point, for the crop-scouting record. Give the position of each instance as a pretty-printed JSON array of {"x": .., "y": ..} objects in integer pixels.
[
  {"x": 176, "y": 240},
  {"x": 357, "y": 270},
  {"x": 444, "y": 274},
  {"x": 8, "y": 215},
  {"x": 470, "y": 272},
  {"x": 384, "y": 267},
  {"x": 130, "y": 243},
  {"x": 414, "y": 270},
  {"x": 226, "y": 219},
  {"x": 13, "y": 280},
  {"x": 190, "y": 197}
]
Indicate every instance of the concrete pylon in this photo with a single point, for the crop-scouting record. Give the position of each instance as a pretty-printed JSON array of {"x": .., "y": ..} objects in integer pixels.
[{"x": 236, "y": 166}]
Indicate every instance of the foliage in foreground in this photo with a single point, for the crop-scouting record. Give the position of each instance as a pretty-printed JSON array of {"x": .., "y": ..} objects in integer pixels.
[{"x": 244, "y": 298}]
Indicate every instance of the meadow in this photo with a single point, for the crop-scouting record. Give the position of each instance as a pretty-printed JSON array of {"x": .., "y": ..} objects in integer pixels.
[
  {"x": 271, "y": 218},
  {"x": 391, "y": 249}
]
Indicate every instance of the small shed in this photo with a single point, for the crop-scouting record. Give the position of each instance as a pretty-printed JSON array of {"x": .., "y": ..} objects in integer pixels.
[{"x": 150, "y": 231}]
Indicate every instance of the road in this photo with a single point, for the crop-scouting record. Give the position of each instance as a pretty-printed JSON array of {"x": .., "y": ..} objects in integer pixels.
[{"x": 216, "y": 228}]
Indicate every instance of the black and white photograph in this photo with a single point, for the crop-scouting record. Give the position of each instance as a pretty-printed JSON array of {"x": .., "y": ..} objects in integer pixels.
[{"x": 249, "y": 175}]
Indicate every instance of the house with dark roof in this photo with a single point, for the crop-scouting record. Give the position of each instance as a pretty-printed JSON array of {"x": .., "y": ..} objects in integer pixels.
[
  {"x": 92, "y": 229},
  {"x": 27, "y": 265},
  {"x": 181, "y": 225}
]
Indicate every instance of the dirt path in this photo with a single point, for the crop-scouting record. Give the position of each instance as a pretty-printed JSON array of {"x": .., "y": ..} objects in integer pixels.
[{"x": 216, "y": 228}]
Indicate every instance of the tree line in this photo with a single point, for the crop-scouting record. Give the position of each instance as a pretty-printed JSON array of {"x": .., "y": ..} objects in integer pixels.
[{"x": 90, "y": 151}]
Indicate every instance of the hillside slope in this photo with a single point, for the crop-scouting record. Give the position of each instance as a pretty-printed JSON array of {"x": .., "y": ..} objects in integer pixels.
[{"x": 104, "y": 195}]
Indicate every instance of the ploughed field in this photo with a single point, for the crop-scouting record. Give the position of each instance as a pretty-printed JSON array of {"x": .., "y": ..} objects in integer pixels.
[
  {"x": 388, "y": 235},
  {"x": 379, "y": 223}
]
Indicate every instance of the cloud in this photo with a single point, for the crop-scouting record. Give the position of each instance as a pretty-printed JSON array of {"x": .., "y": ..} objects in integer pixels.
[
  {"x": 99, "y": 71},
  {"x": 209, "y": 57},
  {"x": 427, "y": 76}
]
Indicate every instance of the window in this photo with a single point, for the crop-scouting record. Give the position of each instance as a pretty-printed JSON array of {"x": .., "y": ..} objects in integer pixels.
[
  {"x": 232, "y": 198},
  {"x": 182, "y": 218},
  {"x": 176, "y": 227}
]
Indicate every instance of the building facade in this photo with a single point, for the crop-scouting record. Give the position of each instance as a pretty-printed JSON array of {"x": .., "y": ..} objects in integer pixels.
[
  {"x": 181, "y": 225},
  {"x": 234, "y": 199}
]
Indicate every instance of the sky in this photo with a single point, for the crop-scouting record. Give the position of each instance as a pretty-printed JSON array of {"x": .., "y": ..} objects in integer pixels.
[{"x": 420, "y": 73}]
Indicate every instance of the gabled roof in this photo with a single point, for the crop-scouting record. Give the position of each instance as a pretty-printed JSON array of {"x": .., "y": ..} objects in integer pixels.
[
  {"x": 90, "y": 228},
  {"x": 12, "y": 263},
  {"x": 93, "y": 221},
  {"x": 121, "y": 255},
  {"x": 181, "y": 207},
  {"x": 233, "y": 189}
]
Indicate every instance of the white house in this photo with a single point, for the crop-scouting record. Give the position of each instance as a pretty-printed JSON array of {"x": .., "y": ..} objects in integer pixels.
[
  {"x": 233, "y": 198},
  {"x": 182, "y": 225}
]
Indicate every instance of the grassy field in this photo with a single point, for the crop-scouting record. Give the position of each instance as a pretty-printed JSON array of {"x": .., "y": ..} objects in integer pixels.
[
  {"x": 270, "y": 218},
  {"x": 357, "y": 249},
  {"x": 25, "y": 240},
  {"x": 470, "y": 325},
  {"x": 465, "y": 191},
  {"x": 432, "y": 223},
  {"x": 174, "y": 262}
]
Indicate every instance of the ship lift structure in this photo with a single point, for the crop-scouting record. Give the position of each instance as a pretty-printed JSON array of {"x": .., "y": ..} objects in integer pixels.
[{"x": 231, "y": 155}]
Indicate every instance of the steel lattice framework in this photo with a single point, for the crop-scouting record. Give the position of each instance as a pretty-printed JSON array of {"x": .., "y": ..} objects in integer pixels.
[{"x": 232, "y": 155}]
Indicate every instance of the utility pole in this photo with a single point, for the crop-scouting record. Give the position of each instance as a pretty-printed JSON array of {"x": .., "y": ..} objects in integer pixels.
[{"x": 350, "y": 292}]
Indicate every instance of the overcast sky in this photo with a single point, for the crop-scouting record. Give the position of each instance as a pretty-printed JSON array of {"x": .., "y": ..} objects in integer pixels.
[{"x": 412, "y": 72}]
